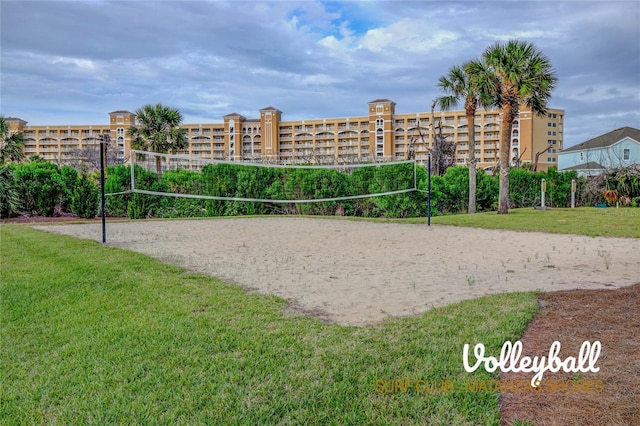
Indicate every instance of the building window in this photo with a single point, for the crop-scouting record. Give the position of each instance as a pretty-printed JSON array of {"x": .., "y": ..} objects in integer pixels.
[{"x": 626, "y": 154}]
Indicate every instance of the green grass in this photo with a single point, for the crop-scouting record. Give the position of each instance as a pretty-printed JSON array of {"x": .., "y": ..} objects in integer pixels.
[
  {"x": 97, "y": 335},
  {"x": 590, "y": 221}
]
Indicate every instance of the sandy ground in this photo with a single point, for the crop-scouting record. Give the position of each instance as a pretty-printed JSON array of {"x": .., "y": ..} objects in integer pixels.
[{"x": 357, "y": 272}]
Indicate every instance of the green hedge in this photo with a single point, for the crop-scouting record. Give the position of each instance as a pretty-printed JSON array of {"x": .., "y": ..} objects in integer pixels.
[{"x": 43, "y": 188}]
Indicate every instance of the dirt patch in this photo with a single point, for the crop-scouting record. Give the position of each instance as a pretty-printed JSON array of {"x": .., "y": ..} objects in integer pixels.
[
  {"x": 610, "y": 396},
  {"x": 67, "y": 218}
]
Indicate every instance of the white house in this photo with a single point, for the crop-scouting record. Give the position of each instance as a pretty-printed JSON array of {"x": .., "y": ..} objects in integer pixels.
[{"x": 618, "y": 148}]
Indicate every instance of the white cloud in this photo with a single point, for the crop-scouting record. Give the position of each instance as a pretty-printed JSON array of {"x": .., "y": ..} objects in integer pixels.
[
  {"x": 83, "y": 64},
  {"x": 408, "y": 35}
]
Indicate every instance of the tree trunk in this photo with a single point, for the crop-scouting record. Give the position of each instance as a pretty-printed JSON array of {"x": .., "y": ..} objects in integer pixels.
[
  {"x": 159, "y": 167},
  {"x": 505, "y": 154},
  {"x": 471, "y": 126},
  {"x": 472, "y": 186}
]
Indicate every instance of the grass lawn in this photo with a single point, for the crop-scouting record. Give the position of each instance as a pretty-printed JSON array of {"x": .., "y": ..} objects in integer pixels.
[
  {"x": 98, "y": 335},
  {"x": 590, "y": 221}
]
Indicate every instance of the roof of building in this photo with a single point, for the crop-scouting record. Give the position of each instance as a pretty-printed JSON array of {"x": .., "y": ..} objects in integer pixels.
[
  {"x": 377, "y": 101},
  {"x": 607, "y": 139},
  {"x": 591, "y": 165},
  {"x": 234, "y": 114},
  {"x": 121, "y": 111},
  {"x": 270, "y": 108}
]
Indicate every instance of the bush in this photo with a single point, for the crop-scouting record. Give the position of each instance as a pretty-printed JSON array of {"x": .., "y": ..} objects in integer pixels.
[
  {"x": 40, "y": 187},
  {"x": 524, "y": 188},
  {"x": 450, "y": 192},
  {"x": 86, "y": 197},
  {"x": 117, "y": 179},
  {"x": 487, "y": 191},
  {"x": 69, "y": 178},
  {"x": 559, "y": 186}
]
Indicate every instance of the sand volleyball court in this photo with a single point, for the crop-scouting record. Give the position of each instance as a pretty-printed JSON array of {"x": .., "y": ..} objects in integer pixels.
[{"x": 356, "y": 272}]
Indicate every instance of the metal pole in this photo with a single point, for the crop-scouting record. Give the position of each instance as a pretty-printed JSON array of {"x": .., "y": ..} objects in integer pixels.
[
  {"x": 429, "y": 189},
  {"x": 573, "y": 193},
  {"x": 102, "y": 155},
  {"x": 543, "y": 188},
  {"x": 132, "y": 170}
]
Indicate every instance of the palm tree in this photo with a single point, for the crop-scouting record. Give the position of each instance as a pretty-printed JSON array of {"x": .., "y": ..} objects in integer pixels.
[
  {"x": 516, "y": 73},
  {"x": 11, "y": 150},
  {"x": 459, "y": 85},
  {"x": 11, "y": 145},
  {"x": 9, "y": 200},
  {"x": 158, "y": 130}
]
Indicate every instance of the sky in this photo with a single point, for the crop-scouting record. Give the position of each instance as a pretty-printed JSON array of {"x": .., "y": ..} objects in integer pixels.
[{"x": 73, "y": 62}]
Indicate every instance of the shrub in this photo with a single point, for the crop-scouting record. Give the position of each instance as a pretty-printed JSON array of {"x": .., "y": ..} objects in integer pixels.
[
  {"x": 524, "y": 188},
  {"x": 69, "y": 178},
  {"x": 117, "y": 180},
  {"x": 40, "y": 187},
  {"x": 559, "y": 186},
  {"x": 85, "y": 200}
]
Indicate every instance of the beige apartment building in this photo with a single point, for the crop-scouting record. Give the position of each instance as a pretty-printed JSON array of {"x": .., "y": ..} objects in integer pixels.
[{"x": 380, "y": 135}]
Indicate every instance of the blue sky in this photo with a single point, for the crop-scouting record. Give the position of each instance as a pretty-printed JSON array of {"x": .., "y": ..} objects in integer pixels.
[{"x": 72, "y": 62}]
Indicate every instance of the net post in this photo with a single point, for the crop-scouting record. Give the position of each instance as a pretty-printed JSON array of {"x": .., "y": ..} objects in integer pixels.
[
  {"x": 429, "y": 189},
  {"x": 131, "y": 169},
  {"x": 104, "y": 140}
]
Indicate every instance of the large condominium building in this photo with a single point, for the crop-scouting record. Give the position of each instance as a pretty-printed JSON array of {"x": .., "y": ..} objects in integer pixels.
[{"x": 380, "y": 135}]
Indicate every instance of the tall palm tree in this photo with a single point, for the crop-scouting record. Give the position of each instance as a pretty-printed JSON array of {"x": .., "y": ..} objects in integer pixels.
[
  {"x": 11, "y": 145},
  {"x": 516, "y": 73},
  {"x": 158, "y": 130},
  {"x": 458, "y": 85}
]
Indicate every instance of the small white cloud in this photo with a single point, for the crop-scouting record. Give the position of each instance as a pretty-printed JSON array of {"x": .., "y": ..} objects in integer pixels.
[{"x": 85, "y": 64}]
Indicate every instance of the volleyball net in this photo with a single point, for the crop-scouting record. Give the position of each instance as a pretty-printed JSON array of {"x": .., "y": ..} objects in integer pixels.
[{"x": 193, "y": 177}]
